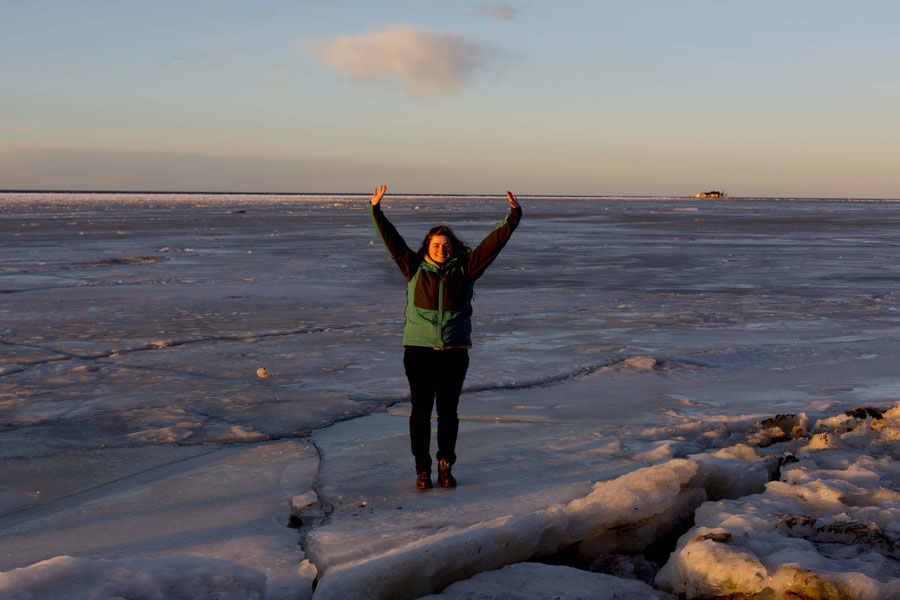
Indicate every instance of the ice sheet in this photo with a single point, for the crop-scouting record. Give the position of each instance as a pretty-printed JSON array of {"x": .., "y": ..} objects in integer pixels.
[
  {"x": 610, "y": 335},
  {"x": 182, "y": 578}
]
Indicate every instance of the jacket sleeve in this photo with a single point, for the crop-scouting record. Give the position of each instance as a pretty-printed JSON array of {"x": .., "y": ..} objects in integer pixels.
[
  {"x": 405, "y": 258},
  {"x": 482, "y": 257}
]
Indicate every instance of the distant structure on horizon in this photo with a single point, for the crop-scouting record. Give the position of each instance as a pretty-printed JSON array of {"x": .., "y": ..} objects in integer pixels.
[{"x": 712, "y": 194}]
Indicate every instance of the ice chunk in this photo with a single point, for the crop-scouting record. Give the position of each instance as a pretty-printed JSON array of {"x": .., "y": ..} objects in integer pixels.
[
  {"x": 304, "y": 506},
  {"x": 535, "y": 581},
  {"x": 707, "y": 566},
  {"x": 641, "y": 363}
]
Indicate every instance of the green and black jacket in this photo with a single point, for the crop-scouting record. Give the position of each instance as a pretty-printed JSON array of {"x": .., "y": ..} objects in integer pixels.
[{"x": 439, "y": 299}]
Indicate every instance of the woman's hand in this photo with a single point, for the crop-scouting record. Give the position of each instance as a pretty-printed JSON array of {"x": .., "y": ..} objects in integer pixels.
[
  {"x": 513, "y": 203},
  {"x": 379, "y": 194}
]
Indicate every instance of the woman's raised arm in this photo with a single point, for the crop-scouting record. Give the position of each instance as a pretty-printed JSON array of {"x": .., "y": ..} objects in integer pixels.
[
  {"x": 480, "y": 258},
  {"x": 513, "y": 201},
  {"x": 379, "y": 194},
  {"x": 402, "y": 254}
]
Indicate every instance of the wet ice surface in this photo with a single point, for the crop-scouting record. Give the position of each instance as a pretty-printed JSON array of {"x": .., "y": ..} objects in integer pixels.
[{"x": 133, "y": 327}]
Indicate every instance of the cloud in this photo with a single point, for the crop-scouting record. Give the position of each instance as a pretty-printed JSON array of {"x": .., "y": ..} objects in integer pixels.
[
  {"x": 502, "y": 11},
  {"x": 428, "y": 63}
]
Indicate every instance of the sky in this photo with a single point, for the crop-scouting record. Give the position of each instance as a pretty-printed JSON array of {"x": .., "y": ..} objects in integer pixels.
[{"x": 786, "y": 98}]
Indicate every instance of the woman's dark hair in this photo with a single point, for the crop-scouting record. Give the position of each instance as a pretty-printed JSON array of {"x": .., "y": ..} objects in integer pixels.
[{"x": 459, "y": 248}]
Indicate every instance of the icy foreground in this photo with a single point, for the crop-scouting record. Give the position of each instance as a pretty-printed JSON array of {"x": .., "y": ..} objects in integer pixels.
[{"x": 799, "y": 509}]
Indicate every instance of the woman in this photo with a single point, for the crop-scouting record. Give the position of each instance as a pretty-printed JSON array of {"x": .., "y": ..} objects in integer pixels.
[{"x": 436, "y": 336}]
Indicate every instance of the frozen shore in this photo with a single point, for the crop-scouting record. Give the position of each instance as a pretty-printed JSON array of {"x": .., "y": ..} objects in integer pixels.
[{"x": 626, "y": 352}]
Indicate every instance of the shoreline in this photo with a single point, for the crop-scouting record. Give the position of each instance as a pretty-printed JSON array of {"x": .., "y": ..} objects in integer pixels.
[{"x": 448, "y": 196}]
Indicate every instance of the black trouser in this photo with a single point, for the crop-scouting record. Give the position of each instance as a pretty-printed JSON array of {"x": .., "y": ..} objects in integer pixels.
[{"x": 434, "y": 374}]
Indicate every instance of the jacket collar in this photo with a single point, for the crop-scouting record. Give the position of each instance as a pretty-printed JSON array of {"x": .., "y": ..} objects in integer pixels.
[{"x": 438, "y": 269}]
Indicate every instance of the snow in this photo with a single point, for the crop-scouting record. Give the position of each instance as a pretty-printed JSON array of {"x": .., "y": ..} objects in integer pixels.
[
  {"x": 635, "y": 361},
  {"x": 826, "y": 528}
]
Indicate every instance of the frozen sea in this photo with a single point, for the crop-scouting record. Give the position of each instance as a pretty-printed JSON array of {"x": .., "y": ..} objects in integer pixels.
[{"x": 134, "y": 422}]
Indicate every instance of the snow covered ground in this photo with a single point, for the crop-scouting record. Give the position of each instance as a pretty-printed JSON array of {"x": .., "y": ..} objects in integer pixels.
[{"x": 625, "y": 352}]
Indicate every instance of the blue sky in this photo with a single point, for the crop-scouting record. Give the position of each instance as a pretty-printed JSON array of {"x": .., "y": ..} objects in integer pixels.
[{"x": 761, "y": 98}]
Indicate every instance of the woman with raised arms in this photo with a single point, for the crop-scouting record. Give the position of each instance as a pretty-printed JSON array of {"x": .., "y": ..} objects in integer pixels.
[{"x": 436, "y": 337}]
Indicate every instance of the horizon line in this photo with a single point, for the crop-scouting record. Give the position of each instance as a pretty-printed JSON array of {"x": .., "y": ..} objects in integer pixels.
[{"x": 363, "y": 194}]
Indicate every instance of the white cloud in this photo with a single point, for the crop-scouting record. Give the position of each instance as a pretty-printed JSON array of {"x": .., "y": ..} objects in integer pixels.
[
  {"x": 428, "y": 63},
  {"x": 503, "y": 11}
]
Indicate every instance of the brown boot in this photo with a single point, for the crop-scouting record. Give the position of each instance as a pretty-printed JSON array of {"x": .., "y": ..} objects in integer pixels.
[
  {"x": 423, "y": 481},
  {"x": 444, "y": 474}
]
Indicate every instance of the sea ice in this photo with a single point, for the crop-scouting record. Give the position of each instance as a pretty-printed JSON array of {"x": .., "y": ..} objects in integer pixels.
[
  {"x": 173, "y": 578},
  {"x": 609, "y": 337}
]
